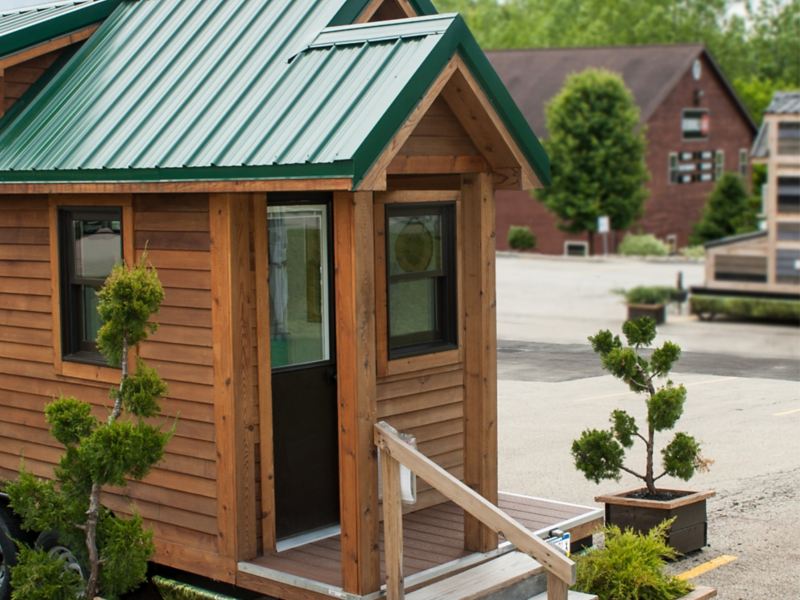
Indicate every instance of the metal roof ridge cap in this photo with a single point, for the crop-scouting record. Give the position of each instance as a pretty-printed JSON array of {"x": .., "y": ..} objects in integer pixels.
[{"x": 374, "y": 24}]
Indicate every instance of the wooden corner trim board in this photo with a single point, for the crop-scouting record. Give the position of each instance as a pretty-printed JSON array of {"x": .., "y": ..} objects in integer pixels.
[
  {"x": 386, "y": 367},
  {"x": 62, "y": 367},
  {"x": 234, "y": 407},
  {"x": 266, "y": 448},
  {"x": 48, "y": 46},
  {"x": 179, "y": 187},
  {"x": 480, "y": 332},
  {"x": 355, "y": 347}
]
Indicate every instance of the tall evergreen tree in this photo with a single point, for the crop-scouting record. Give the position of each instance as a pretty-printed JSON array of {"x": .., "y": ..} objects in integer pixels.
[
  {"x": 728, "y": 211},
  {"x": 596, "y": 149}
]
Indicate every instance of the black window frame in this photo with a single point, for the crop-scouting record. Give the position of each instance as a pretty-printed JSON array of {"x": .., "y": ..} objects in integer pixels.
[
  {"x": 446, "y": 332},
  {"x": 73, "y": 347}
]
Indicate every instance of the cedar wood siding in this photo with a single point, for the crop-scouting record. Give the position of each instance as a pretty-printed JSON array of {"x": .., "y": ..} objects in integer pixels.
[
  {"x": 178, "y": 498},
  {"x": 669, "y": 208},
  {"x": 18, "y": 78}
]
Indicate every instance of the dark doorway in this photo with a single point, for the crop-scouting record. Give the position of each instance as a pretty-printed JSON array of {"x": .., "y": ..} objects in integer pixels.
[{"x": 304, "y": 401}]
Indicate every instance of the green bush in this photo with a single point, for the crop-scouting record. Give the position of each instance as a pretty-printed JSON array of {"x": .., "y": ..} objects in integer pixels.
[
  {"x": 693, "y": 252},
  {"x": 630, "y": 566},
  {"x": 642, "y": 245},
  {"x": 766, "y": 309},
  {"x": 653, "y": 294},
  {"x": 521, "y": 238},
  {"x": 39, "y": 576}
]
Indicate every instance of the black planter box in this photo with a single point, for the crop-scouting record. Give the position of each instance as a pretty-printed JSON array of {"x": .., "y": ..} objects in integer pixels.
[
  {"x": 688, "y": 533},
  {"x": 657, "y": 312}
]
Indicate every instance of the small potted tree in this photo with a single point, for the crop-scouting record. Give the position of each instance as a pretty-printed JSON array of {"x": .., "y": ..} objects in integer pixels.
[
  {"x": 649, "y": 301},
  {"x": 599, "y": 453}
]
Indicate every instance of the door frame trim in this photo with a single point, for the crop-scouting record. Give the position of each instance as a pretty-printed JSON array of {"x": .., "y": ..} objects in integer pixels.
[{"x": 261, "y": 263}]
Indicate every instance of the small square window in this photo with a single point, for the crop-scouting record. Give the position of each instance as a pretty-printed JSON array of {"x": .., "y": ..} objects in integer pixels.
[
  {"x": 695, "y": 124},
  {"x": 421, "y": 279},
  {"x": 90, "y": 241}
]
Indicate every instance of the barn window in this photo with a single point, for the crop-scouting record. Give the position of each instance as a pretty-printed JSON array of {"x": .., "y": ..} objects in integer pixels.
[
  {"x": 421, "y": 278},
  {"x": 719, "y": 164},
  {"x": 90, "y": 241},
  {"x": 743, "y": 160}
]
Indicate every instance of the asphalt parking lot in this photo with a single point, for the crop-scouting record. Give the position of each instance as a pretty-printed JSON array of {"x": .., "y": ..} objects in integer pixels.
[{"x": 743, "y": 405}]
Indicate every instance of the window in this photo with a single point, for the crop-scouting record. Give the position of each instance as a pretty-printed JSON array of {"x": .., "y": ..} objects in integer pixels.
[
  {"x": 421, "y": 278},
  {"x": 674, "y": 169},
  {"x": 788, "y": 194},
  {"x": 90, "y": 244},
  {"x": 743, "y": 160},
  {"x": 576, "y": 248},
  {"x": 695, "y": 124},
  {"x": 719, "y": 163},
  {"x": 788, "y": 138}
]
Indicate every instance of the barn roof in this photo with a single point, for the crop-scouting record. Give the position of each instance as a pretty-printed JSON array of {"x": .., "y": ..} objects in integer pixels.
[
  {"x": 21, "y": 28},
  {"x": 651, "y": 72},
  {"x": 240, "y": 89}
]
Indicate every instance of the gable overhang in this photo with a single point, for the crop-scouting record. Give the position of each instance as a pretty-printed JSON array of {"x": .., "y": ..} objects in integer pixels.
[
  {"x": 457, "y": 57},
  {"x": 50, "y": 28}
]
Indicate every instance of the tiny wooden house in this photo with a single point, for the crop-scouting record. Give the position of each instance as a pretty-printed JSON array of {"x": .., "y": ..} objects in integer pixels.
[{"x": 315, "y": 185}]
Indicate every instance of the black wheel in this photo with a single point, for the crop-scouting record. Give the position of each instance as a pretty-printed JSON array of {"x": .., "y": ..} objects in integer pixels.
[
  {"x": 9, "y": 531},
  {"x": 49, "y": 541}
]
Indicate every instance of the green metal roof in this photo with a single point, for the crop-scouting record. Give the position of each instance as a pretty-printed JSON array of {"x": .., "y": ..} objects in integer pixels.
[
  {"x": 239, "y": 89},
  {"x": 25, "y": 27}
]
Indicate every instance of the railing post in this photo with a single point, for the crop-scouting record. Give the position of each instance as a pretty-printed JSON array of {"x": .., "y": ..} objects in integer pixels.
[
  {"x": 556, "y": 588},
  {"x": 392, "y": 527}
]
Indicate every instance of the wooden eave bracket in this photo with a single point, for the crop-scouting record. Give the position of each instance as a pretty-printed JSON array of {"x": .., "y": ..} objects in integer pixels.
[{"x": 477, "y": 116}]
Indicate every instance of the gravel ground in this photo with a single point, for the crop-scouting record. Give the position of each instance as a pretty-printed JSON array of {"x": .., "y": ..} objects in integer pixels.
[{"x": 743, "y": 404}]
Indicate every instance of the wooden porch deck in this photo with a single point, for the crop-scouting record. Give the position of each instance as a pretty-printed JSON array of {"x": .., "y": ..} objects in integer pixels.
[{"x": 433, "y": 539}]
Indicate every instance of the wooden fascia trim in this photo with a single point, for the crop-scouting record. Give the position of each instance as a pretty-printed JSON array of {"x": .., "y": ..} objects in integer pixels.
[
  {"x": 48, "y": 46},
  {"x": 179, "y": 187},
  {"x": 529, "y": 180}
]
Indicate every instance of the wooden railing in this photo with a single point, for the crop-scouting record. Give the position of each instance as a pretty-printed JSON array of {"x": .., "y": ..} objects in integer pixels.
[{"x": 394, "y": 452}]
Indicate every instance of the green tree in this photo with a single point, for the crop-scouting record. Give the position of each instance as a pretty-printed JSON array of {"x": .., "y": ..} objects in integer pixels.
[
  {"x": 596, "y": 148},
  {"x": 98, "y": 454},
  {"x": 728, "y": 211},
  {"x": 599, "y": 453}
]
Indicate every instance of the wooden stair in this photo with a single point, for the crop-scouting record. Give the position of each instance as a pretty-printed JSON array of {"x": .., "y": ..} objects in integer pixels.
[{"x": 489, "y": 579}]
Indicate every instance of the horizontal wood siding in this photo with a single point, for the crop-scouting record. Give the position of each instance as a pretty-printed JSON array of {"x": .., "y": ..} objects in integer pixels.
[
  {"x": 20, "y": 77},
  {"x": 178, "y": 499},
  {"x": 428, "y": 404}
]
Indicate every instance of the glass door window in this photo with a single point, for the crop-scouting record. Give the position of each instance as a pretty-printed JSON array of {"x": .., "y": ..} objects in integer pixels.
[{"x": 298, "y": 288}]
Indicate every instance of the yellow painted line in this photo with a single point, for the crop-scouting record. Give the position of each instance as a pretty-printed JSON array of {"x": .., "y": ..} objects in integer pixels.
[
  {"x": 787, "y": 412},
  {"x": 706, "y": 567}
]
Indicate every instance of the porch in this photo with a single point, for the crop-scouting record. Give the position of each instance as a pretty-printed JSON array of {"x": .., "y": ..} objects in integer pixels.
[{"x": 433, "y": 543}]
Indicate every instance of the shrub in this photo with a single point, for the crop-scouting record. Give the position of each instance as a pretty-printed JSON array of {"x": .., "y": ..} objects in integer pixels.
[
  {"x": 654, "y": 294},
  {"x": 521, "y": 238},
  {"x": 728, "y": 211},
  {"x": 766, "y": 309},
  {"x": 693, "y": 252},
  {"x": 630, "y": 567},
  {"x": 642, "y": 245}
]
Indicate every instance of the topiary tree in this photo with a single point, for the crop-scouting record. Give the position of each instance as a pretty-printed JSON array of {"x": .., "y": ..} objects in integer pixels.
[
  {"x": 98, "y": 454},
  {"x": 728, "y": 211},
  {"x": 596, "y": 147},
  {"x": 599, "y": 453}
]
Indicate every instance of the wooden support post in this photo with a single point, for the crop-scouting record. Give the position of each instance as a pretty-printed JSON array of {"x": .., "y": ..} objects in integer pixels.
[
  {"x": 392, "y": 527},
  {"x": 557, "y": 589},
  {"x": 234, "y": 406},
  {"x": 480, "y": 343},
  {"x": 355, "y": 343}
]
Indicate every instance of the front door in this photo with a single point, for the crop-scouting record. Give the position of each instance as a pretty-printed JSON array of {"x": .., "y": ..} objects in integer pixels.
[{"x": 304, "y": 402}]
